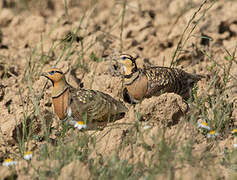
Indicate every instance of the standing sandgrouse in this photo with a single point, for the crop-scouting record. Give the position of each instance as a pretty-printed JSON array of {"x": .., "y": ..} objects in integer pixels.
[
  {"x": 153, "y": 80},
  {"x": 81, "y": 107}
]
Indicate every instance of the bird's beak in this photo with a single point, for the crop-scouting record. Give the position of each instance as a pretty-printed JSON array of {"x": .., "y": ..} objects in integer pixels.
[
  {"x": 44, "y": 74},
  {"x": 113, "y": 57}
]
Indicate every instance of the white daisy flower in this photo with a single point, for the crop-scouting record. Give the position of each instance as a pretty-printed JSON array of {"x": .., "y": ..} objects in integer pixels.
[
  {"x": 146, "y": 127},
  {"x": 235, "y": 142},
  {"x": 212, "y": 134},
  {"x": 9, "y": 162},
  {"x": 28, "y": 155},
  {"x": 203, "y": 125},
  {"x": 80, "y": 125},
  {"x": 234, "y": 131}
]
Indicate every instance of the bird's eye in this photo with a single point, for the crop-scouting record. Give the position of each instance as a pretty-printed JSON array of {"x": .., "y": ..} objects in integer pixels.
[
  {"x": 123, "y": 58},
  {"x": 51, "y": 72}
]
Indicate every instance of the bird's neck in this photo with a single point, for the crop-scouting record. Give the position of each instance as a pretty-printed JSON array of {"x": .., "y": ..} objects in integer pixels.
[
  {"x": 129, "y": 79},
  {"x": 59, "y": 88}
]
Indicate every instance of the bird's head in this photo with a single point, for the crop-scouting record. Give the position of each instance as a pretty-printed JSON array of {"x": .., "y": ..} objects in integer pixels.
[
  {"x": 128, "y": 63},
  {"x": 55, "y": 75}
]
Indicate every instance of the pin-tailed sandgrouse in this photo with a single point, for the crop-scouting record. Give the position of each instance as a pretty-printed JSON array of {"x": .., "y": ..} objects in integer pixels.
[
  {"x": 81, "y": 106},
  {"x": 153, "y": 80}
]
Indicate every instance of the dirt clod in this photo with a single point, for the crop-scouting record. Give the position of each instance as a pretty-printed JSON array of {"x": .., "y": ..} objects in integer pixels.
[{"x": 166, "y": 109}]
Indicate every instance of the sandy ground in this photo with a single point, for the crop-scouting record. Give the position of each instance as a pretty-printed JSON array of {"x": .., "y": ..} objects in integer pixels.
[{"x": 30, "y": 43}]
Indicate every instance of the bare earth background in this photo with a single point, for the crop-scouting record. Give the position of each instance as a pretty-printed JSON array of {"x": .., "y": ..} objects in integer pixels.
[{"x": 79, "y": 37}]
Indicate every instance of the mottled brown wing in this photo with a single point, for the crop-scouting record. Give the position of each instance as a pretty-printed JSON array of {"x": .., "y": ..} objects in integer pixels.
[
  {"x": 160, "y": 80},
  {"x": 117, "y": 106},
  {"x": 94, "y": 105},
  {"x": 164, "y": 79}
]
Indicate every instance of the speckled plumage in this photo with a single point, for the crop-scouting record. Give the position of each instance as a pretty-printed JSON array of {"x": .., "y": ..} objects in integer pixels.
[
  {"x": 95, "y": 105},
  {"x": 154, "y": 80},
  {"x": 81, "y": 104}
]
